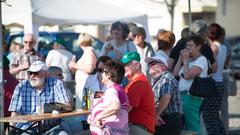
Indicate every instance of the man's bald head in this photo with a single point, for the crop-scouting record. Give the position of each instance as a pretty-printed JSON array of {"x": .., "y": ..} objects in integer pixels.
[{"x": 29, "y": 41}]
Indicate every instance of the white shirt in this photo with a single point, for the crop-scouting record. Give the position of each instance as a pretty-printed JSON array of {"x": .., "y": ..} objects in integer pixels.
[
  {"x": 220, "y": 59},
  {"x": 94, "y": 84},
  {"x": 146, "y": 52},
  {"x": 127, "y": 46},
  {"x": 60, "y": 58},
  {"x": 184, "y": 85}
]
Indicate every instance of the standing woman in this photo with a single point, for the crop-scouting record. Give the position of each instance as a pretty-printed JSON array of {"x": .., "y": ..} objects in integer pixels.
[
  {"x": 165, "y": 42},
  {"x": 191, "y": 63},
  {"x": 211, "y": 106},
  {"x": 84, "y": 66},
  {"x": 118, "y": 45}
]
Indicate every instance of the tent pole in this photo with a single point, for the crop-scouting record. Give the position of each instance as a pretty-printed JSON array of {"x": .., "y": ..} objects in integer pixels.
[
  {"x": 189, "y": 17},
  {"x": 1, "y": 74}
]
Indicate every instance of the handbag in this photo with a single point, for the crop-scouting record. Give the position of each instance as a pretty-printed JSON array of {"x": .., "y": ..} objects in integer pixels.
[
  {"x": 203, "y": 87},
  {"x": 230, "y": 82},
  {"x": 49, "y": 107}
]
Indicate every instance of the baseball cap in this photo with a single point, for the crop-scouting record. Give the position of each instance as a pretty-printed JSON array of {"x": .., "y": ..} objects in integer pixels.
[
  {"x": 37, "y": 66},
  {"x": 129, "y": 56},
  {"x": 159, "y": 57},
  {"x": 60, "y": 42}
]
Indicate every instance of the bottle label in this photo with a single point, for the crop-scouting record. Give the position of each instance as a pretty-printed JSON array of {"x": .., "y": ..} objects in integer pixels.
[{"x": 39, "y": 109}]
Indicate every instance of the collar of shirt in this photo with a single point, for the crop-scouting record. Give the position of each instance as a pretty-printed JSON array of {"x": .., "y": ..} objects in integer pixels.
[
  {"x": 157, "y": 78},
  {"x": 31, "y": 52}
]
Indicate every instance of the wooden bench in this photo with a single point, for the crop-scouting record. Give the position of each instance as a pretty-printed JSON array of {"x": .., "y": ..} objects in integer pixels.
[{"x": 187, "y": 132}]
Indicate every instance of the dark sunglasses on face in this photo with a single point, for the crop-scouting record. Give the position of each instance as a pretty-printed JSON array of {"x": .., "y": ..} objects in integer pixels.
[
  {"x": 137, "y": 35},
  {"x": 33, "y": 73},
  {"x": 152, "y": 63},
  {"x": 60, "y": 75},
  {"x": 100, "y": 70}
]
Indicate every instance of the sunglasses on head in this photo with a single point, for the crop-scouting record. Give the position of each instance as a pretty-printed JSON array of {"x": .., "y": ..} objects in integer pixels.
[{"x": 33, "y": 73}]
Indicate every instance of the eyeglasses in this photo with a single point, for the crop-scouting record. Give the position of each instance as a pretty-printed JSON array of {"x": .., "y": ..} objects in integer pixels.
[
  {"x": 137, "y": 35},
  {"x": 152, "y": 63},
  {"x": 60, "y": 75},
  {"x": 29, "y": 42},
  {"x": 34, "y": 73},
  {"x": 100, "y": 70}
]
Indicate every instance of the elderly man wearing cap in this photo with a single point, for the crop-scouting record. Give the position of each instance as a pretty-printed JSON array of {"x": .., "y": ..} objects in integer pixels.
[
  {"x": 60, "y": 57},
  {"x": 167, "y": 99},
  {"x": 49, "y": 89},
  {"x": 140, "y": 95}
]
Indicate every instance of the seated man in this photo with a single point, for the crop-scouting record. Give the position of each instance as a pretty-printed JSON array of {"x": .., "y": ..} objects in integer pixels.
[
  {"x": 140, "y": 95},
  {"x": 72, "y": 125},
  {"x": 24, "y": 99},
  {"x": 167, "y": 100},
  {"x": 54, "y": 71}
]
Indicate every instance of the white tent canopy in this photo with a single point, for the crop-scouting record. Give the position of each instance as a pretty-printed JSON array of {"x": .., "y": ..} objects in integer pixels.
[
  {"x": 40, "y": 12},
  {"x": 83, "y": 12},
  {"x": 80, "y": 11}
]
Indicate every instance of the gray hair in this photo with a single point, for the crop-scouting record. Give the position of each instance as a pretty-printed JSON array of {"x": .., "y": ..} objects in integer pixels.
[
  {"x": 139, "y": 67},
  {"x": 31, "y": 35},
  {"x": 53, "y": 69},
  {"x": 139, "y": 30},
  {"x": 199, "y": 27}
]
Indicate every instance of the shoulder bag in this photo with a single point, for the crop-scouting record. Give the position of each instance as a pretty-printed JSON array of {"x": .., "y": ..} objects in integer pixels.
[
  {"x": 203, "y": 87},
  {"x": 230, "y": 82}
]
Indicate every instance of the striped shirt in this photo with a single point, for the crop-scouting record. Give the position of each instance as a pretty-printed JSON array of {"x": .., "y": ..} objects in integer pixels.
[
  {"x": 25, "y": 96},
  {"x": 23, "y": 56},
  {"x": 167, "y": 84}
]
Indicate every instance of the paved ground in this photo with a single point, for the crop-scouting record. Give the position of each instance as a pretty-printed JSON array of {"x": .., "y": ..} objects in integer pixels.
[
  {"x": 234, "y": 109},
  {"x": 234, "y": 112}
]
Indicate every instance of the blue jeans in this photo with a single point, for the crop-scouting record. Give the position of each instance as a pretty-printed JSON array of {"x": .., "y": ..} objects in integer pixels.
[
  {"x": 73, "y": 124},
  {"x": 57, "y": 130}
]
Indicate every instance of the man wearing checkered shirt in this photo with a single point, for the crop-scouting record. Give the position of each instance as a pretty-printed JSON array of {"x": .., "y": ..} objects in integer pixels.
[
  {"x": 168, "y": 114},
  {"x": 50, "y": 89}
]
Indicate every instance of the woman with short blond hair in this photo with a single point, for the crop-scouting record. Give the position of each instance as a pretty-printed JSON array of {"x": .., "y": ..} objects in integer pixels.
[
  {"x": 85, "y": 39},
  {"x": 84, "y": 66}
]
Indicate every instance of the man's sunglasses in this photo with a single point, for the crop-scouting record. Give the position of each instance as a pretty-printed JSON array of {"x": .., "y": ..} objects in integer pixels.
[
  {"x": 33, "y": 73},
  {"x": 152, "y": 63}
]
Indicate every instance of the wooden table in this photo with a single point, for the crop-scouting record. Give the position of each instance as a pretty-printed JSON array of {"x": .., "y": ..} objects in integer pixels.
[{"x": 35, "y": 118}]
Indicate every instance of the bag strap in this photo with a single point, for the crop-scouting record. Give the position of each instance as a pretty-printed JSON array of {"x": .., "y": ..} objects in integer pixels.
[
  {"x": 127, "y": 46},
  {"x": 209, "y": 71}
]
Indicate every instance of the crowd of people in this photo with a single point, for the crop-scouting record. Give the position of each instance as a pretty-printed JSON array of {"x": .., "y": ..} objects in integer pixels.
[{"x": 138, "y": 90}]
